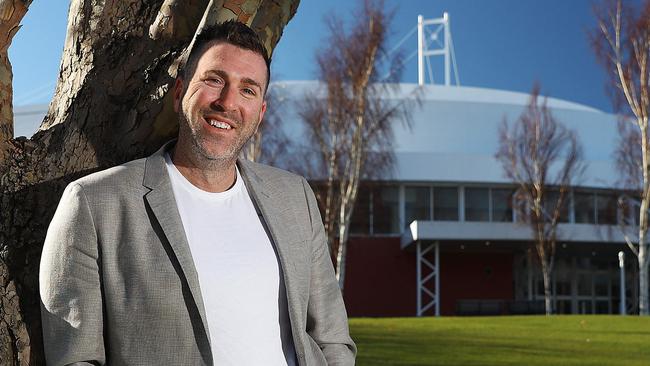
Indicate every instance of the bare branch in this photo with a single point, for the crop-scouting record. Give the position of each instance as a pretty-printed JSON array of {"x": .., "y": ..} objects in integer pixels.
[
  {"x": 348, "y": 120},
  {"x": 623, "y": 47},
  {"x": 529, "y": 150}
]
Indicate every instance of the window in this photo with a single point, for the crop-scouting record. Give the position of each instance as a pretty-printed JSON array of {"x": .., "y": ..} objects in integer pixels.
[
  {"x": 417, "y": 204},
  {"x": 584, "y": 206},
  {"x": 502, "y": 204},
  {"x": 550, "y": 204},
  {"x": 360, "y": 221},
  {"x": 630, "y": 210},
  {"x": 584, "y": 284},
  {"x": 601, "y": 284},
  {"x": 385, "y": 210},
  {"x": 606, "y": 205},
  {"x": 445, "y": 203},
  {"x": 477, "y": 204}
]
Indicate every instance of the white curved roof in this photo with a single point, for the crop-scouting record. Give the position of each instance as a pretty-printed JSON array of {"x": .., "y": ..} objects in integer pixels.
[{"x": 455, "y": 132}]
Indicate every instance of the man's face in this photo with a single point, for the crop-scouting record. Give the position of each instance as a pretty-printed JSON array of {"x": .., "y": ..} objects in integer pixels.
[{"x": 222, "y": 104}]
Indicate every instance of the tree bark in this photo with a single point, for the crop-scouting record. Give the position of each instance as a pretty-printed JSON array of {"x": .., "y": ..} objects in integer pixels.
[
  {"x": 110, "y": 105},
  {"x": 11, "y": 13}
]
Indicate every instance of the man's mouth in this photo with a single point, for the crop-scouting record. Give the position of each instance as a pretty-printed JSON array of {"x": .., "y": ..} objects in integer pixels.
[{"x": 219, "y": 124}]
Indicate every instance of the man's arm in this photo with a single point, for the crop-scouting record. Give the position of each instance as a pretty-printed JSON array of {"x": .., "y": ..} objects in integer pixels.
[
  {"x": 70, "y": 286},
  {"x": 327, "y": 321}
]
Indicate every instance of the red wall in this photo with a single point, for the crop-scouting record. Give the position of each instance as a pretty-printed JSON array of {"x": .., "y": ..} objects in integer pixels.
[
  {"x": 381, "y": 278},
  {"x": 474, "y": 276}
]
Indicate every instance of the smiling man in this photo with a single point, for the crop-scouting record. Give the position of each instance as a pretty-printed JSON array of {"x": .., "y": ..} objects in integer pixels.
[{"x": 192, "y": 256}]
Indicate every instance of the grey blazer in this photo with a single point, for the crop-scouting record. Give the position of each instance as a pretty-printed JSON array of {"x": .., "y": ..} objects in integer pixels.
[{"x": 118, "y": 284}]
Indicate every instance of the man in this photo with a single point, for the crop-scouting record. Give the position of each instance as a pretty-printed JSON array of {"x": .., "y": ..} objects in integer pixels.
[{"x": 190, "y": 256}]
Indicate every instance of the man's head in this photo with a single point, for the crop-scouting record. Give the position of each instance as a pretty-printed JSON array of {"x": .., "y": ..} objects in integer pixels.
[
  {"x": 232, "y": 32},
  {"x": 219, "y": 95}
]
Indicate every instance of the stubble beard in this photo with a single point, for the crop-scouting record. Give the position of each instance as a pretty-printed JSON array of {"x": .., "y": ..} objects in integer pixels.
[{"x": 200, "y": 154}]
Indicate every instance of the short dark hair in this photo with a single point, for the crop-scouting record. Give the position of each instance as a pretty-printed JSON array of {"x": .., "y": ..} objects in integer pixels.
[{"x": 232, "y": 32}]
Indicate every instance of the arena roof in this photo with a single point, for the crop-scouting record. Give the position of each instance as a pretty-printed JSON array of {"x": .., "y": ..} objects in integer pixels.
[{"x": 454, "y": 135}]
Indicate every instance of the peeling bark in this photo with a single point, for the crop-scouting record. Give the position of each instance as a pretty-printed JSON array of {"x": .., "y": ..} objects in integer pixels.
[
  {"x": 110, "y": 105},
  {"x": 11, "y": 13}
]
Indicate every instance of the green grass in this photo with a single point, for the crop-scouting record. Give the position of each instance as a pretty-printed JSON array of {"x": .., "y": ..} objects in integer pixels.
[{"x": 504, "y": 340}]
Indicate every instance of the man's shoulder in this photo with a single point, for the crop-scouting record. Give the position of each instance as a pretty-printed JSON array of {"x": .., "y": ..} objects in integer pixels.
[
  {"x": 129, "y": 174},
  {"x": 269, "y": 173}
]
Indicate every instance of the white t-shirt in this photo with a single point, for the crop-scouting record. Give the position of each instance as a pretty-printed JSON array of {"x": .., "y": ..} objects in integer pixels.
[{"x": 241, "y": 284}]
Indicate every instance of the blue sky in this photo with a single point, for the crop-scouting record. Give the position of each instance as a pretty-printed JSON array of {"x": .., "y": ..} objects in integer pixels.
[{"x": 501, "y": 44}]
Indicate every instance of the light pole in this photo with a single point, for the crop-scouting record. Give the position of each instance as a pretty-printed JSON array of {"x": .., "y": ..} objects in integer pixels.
[{"x": 621, "y": 264}]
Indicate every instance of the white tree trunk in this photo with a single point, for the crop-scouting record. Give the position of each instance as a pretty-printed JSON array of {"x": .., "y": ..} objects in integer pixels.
[
  {"x": 546, "y": 274},
  {"x": 643, "y": 279}
]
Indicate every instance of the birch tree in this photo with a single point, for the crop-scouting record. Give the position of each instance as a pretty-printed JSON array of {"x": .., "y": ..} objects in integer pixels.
[
  {"x": 270, "y": 145},
  {"x": 542, "y": 158},
  {"x": 111, "y": 104},
  {"x": 622, "y": 45},
  {"x": 348, "y": 123}
]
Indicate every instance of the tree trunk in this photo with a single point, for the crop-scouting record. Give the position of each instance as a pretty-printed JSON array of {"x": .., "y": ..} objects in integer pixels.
[
  {"x": 546, "y": 274},
  {"x": 110, "y": 105},
  {"x": 643, "y": 277},
  {"x": 342, "y": 249}
]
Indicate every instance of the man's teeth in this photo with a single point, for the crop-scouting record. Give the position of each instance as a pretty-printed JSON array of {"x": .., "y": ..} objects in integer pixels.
[{"x": 217, "y": 124}]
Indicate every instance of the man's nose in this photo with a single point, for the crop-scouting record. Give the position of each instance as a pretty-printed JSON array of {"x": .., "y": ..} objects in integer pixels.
[{"x": 227, "y": 98}]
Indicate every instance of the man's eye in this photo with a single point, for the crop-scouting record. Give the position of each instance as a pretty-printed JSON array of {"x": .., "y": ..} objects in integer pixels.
[
  {"x": 249, "y": 91},
  {"x": 214, "y": 82}
]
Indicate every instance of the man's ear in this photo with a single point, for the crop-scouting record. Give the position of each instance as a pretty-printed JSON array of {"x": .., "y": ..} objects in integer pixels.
[
  {"x": 178, "y": 94},
  {"x": 262, "y": 111}
]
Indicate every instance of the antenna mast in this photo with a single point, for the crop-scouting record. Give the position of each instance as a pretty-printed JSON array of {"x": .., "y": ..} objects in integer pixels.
[{"x": 430, "y": 44}]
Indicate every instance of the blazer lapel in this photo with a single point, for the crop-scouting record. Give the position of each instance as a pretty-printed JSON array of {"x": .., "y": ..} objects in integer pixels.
[
  {"x": 163, "y": 204},
  {"x": 271, "y": 203}
]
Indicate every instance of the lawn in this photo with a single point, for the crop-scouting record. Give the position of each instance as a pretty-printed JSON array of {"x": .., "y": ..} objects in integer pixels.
[{"x": 504, "y": 340}]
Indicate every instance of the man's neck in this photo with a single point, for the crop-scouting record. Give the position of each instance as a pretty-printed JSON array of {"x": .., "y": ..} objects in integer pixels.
[{"x": 210, "y": 176}]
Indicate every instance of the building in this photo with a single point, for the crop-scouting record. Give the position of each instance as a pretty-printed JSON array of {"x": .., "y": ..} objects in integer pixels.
[{"x": 445, "y": 215}]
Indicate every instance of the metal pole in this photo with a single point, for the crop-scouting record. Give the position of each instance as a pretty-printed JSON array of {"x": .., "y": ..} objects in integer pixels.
[
  {"x": 621, "y": 264},
  {"x": 418, "y": 260},
  {"x": 437, "y": 278},
  {"x": 420, "y": 50},
  {"x": 445, "y": 18}
]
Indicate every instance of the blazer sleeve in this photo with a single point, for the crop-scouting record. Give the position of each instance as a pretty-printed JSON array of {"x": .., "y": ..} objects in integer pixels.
[
  {"x": 327, "y": 321},
  {"x": 70, "y": 285}
]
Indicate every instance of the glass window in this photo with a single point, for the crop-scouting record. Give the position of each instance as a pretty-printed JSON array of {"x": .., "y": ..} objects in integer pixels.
[
  {"x": 602, "y": 307},
  {"x": 417, "y": 204},
  {"x": 563, "y": 307},
  {"x": 360, "y": 221},
  {"x": 630, "y": 210},
  {"x": 445, "y": 203},
  {"x": 584, "y": 307},
  {"x": 584, "y": 205},
  {"x": 584, "y": 284},
  {"x": 477, "y": 204},
  {"x": 601, "y": 285},
  {"x": 502, "y": 204},
  {"x": 385, "y": 210},
  {"x": 540, "y": 287},
  {"x": 563, "y": 287},
  {"x": 550, "y": 204},
  {"x": 606, "y": 204}
]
